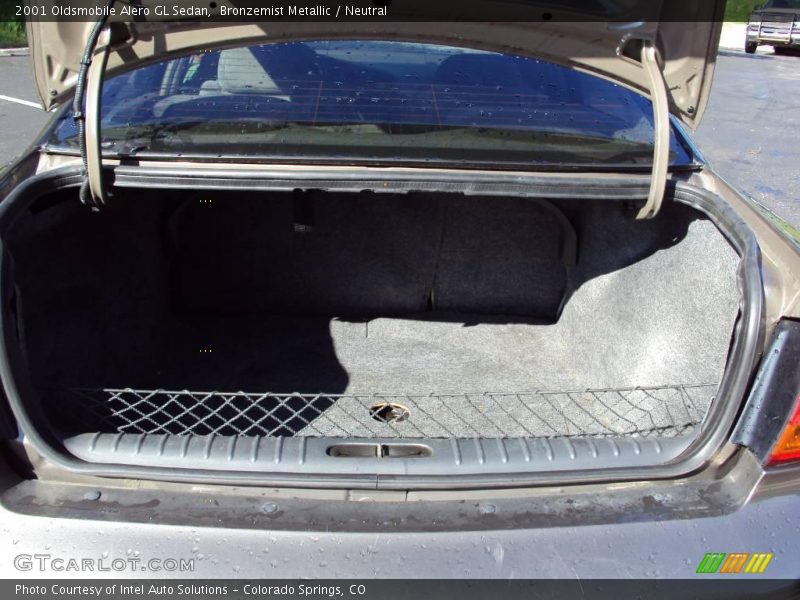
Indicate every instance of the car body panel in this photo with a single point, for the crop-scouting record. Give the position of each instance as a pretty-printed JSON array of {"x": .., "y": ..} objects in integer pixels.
[
  {"x": 515, "y": 535},
  {"x": 641, "y": 550},
  {"x": 687, "y": 49}
]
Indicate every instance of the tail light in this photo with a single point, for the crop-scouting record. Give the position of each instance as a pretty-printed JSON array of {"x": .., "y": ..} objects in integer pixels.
[{"x": 787, "y": 447}]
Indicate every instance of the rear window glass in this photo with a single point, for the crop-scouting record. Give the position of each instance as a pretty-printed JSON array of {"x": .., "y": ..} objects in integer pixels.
[{"x": 374, "y": 101}]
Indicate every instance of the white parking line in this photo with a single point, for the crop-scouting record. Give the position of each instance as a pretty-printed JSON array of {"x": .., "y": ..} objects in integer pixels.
[{"x": 20, "y": 101}]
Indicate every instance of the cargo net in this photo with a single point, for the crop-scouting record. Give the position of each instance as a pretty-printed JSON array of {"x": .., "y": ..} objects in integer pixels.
[{"x": 657, "y": 411}]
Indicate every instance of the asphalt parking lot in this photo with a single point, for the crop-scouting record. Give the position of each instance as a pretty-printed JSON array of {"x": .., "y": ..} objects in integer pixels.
[{"x": 749, "y": 132}]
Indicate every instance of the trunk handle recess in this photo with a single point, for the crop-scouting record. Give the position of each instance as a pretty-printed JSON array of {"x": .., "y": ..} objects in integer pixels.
[{"x": 388, "y": 450}]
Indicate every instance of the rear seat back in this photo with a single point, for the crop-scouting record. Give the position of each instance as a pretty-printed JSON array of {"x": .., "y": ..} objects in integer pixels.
[{"x": 368, "y": 255}]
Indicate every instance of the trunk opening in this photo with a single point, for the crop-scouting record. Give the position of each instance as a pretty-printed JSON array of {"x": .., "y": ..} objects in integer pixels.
[{"x": 292, "y": 318}]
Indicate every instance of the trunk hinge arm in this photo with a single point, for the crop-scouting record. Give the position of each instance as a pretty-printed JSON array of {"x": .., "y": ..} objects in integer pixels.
[
  {"x": 658, "y": 93},
  {"x": 86, "y": 109},
  {"x": 95, "y": 194}
]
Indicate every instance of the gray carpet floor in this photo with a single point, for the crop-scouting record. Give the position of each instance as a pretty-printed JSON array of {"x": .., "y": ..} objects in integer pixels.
[
  {"x": 647, "y": 305},
  {"x": 464, "y": 375}
]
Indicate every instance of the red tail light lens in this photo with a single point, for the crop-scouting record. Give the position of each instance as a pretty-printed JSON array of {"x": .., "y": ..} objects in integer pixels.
[{"x": 787, "y": 448}]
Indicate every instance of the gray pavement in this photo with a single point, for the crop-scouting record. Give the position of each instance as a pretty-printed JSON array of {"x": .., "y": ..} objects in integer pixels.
[
  {"x": 749, "y": 132},
  {"x": 19, "y": 123}
]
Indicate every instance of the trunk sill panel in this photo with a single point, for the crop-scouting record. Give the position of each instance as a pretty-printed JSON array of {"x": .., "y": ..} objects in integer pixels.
[{"x": 473, "y": 456}]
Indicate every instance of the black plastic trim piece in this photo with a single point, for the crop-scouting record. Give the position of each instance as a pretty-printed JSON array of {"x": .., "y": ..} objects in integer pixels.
[
  {"x": 390, "y": 181},
  {"x": 774, "y": 392},
  {"x": 221, "y": 161},
  {"x": 745, "y": 350}
]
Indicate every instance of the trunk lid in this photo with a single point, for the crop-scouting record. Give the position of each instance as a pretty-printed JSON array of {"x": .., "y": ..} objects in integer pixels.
[{"x": 594, "y": 38}]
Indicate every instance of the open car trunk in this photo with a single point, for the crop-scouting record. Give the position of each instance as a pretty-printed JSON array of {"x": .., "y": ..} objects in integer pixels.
[{"x": 240, "y": 329}]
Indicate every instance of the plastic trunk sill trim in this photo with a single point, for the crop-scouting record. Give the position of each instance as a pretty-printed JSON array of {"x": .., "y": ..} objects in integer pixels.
[{"x": 312, "y": 455}]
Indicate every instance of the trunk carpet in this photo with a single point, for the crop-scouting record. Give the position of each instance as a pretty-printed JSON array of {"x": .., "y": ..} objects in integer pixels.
[{"x": 651, "y": 305}]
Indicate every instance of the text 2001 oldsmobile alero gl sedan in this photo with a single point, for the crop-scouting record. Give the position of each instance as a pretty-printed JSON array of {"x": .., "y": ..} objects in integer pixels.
[{"x": 464, "y": 300}]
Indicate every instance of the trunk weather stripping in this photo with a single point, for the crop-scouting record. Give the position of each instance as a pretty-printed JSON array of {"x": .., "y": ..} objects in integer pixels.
[{"x": 658, "y": 92}]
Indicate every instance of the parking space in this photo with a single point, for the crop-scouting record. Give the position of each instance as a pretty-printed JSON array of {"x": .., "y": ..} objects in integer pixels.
[
  {"x": 20, "y": 122},
  {"x": 749, "y": 132}
]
